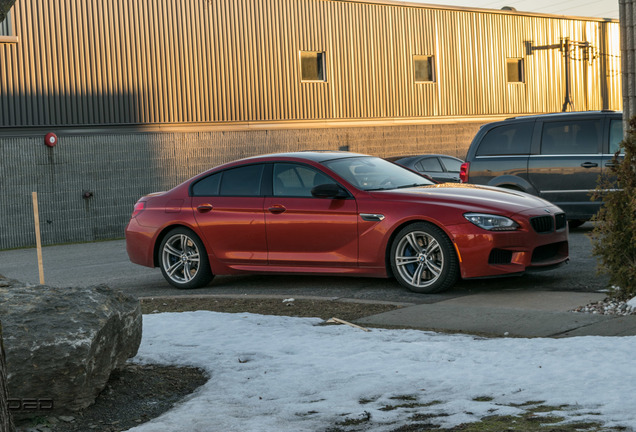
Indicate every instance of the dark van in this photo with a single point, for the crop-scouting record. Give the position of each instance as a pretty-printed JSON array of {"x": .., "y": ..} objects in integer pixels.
[{"x": 558, "y": 157}]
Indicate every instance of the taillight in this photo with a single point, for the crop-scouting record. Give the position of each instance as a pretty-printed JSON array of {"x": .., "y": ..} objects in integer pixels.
[
  {"x": 139, "y": 207},
  {"x": 463, "y": 172}
]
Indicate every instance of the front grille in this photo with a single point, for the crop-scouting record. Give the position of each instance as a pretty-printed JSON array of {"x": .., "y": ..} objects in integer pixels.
[
  {"x": 500, "y": 256},
  {"x": 542, "y": 224},
  {"x": 561, "y": 221}
]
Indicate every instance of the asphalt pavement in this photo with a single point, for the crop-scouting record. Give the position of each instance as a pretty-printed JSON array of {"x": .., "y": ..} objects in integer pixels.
[{"x": 533, "y": 305}]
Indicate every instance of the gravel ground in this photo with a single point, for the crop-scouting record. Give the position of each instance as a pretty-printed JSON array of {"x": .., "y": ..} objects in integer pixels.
[{"x": 607, "y": 307}]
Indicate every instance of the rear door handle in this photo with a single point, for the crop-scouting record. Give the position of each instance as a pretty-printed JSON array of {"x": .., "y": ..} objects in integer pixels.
[
  {"x": 277, "y": 209},
  {"x": 204, "y": 208},
  {"x": 610, "y": 164},
  {"x": 589, "y": 164}
]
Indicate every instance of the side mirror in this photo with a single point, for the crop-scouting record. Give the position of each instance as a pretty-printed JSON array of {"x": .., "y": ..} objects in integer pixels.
[{"x": 329, "y": 190}]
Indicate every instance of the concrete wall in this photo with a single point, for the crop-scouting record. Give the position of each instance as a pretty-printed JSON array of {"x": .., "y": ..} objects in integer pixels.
[{"x": 117, "y": 166}]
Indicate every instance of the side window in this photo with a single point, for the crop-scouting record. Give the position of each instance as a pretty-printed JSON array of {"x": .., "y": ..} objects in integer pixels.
[
  {"x": 452, "y": 165},
  {"x": 295, "y": 180},
  {"x": 514, "y": 70},
  {"x": 312, "y": 66},
  {"x": 209, "y": 186},
  {"x": 507, "y": 140},
  {"x": 242, "y": 181},
  {"x": 429, "y": 165},
  {"x": 616, "y": 135},
  {"x": 423, "y": 68},
  {"x": 7, "y": 32},
  {"x": 571, "y": 137}
]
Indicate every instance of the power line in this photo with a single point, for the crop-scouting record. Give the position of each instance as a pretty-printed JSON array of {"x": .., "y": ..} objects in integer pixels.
[{"x": 581, "y": 5}]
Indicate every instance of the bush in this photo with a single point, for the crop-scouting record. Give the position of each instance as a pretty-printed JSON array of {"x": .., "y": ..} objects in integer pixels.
[{"x": 614, "y": 236}]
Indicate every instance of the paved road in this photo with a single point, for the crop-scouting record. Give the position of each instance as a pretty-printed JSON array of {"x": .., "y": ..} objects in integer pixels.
[{"x": 107, "y": 262}]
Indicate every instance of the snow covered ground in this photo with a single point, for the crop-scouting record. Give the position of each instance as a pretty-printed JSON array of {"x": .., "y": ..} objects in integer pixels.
[{"x": 294, "y": 374}]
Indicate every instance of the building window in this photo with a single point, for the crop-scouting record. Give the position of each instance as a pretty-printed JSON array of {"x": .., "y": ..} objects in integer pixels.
[
  {"x": 312, "y": 66},
  {"x": 514, "y": 68},
  {"x": 423, "y": 68},
  {"x": 7, "y": 33}
]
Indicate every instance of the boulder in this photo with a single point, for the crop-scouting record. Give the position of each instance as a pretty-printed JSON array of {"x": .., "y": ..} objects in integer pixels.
[
  {"x": 61, "y": 344},
  {"x": 6, "y": 423}
]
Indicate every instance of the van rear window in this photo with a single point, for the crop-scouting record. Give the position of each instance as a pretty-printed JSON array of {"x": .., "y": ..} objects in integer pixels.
[
  {"x": 571, "y": 137},
  {"x": 507, "y": 140}
]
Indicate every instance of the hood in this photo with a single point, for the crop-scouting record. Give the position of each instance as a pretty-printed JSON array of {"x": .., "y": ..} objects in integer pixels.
[{"x": 470, "y": 197}]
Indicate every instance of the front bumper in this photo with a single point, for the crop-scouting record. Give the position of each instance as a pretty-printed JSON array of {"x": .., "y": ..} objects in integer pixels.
[{"x": 496, "y": 253}]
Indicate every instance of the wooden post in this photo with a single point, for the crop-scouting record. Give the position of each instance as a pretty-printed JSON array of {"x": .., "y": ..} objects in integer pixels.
[{"x": 36, "y": 215}]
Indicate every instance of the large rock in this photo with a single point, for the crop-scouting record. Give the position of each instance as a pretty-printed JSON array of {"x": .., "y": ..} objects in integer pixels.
[
  {"x": 62, "y": 343},
  {"x": 6, "y": 423}
]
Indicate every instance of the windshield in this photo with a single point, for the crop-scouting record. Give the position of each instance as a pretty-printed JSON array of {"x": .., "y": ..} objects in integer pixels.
[{"x": 371, "y": 173}]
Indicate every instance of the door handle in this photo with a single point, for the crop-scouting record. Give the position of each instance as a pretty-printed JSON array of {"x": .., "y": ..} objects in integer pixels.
[
  {"x": 204, "y": 208},
  {"x": 589, "y": 164},
  {"x": 610, "y": 164},
  {"x": 277, "y": 209}
]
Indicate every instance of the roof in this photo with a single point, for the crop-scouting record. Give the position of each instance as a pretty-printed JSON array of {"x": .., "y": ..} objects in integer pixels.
[
  {"x": 413, "y": 4},
  {"x": 312, "y": 155}
]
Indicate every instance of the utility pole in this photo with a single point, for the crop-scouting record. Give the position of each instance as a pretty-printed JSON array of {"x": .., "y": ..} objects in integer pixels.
[
  {"x": 566, "y": 47},
  {"x": 627, "y": 15}
]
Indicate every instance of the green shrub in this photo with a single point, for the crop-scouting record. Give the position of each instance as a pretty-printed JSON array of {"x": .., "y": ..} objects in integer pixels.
[{"x": 614, "y": 235}]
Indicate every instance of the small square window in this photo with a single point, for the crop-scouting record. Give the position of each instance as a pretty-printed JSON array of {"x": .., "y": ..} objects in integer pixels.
[
  {"x": 514, "y": 69},
  {"x": 7, "y": 32},
  {"x": 423, "y": 68},
  {"x": 312, "y": 66}
]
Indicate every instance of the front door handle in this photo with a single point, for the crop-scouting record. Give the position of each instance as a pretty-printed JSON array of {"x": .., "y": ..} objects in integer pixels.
[
  {"x": 589, "y": 164},
  {"x": 277, "y": 209},
  {"x": 204, "y": 208}
]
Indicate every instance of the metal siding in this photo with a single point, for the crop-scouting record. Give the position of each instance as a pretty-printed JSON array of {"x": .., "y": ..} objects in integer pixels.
[{"x": 131, "y": 62}]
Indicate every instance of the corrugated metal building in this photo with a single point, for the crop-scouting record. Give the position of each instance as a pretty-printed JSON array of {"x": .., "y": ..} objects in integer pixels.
[
  {"x": 169, "y": 87},
  {"x": 89, "y": 62}
]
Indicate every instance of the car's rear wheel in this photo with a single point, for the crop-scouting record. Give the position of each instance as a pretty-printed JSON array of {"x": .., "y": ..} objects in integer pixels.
[
  {"x": 423, "y": 259},
  {"x": 183, "y": 260}
]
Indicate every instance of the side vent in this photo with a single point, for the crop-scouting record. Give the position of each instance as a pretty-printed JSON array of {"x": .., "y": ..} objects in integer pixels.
[{"x": 500, "y": 256}]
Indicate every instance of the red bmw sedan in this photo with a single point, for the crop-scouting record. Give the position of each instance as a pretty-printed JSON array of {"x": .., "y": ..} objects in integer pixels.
[{"x": 341, "y": 213}]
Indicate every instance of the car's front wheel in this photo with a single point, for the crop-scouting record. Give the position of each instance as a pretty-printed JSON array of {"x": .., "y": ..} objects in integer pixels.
[
  {"x": 423, "y": 259},
  {"x": 183, "y": 260},
  {"x": 575, "y": 223}
]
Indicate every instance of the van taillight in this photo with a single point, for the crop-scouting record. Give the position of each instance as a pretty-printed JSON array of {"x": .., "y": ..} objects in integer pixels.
[
  {"x": 463, "y": 172},
  {"x": 139, "y": 207}
]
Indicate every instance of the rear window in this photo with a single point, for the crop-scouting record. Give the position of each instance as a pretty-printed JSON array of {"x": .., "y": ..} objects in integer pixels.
[
  {"x": 452, "y": 165},
  {"x": 242, "y": 181},
  {"x": 208, "y": 186},
  {"x": 429, "y": 165},
  {"x": 571, "y": 137},
  {"x": 512, "y": 139},
  {"x": 616, "y": 135}
]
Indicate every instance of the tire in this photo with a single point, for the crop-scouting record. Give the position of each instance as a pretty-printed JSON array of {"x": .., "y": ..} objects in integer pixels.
[
  {"x": 423, "y": 259},
  {"x": 575, "y": 223},
  {"x": 183, "y": 260}
]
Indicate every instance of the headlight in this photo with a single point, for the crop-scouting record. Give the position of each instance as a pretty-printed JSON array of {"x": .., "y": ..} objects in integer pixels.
[{"x": 491, "y": 222}]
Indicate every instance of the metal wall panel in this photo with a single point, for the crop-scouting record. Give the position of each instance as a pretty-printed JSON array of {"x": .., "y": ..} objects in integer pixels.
[{"x": 90, "y": 62}]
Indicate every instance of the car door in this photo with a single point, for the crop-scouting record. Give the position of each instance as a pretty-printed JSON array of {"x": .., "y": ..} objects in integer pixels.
[
  {"x": 565, "y": 167},
  {"x": 432, "y": 167},
  {"x": 228, "y": 207},
  {"x": 452, "y": 167},
  {"x": 304, "y": 231}
]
